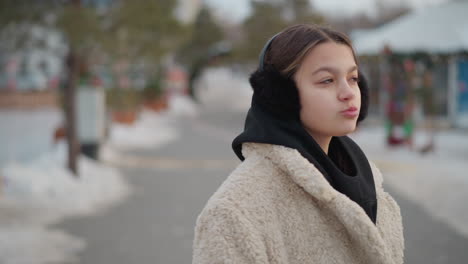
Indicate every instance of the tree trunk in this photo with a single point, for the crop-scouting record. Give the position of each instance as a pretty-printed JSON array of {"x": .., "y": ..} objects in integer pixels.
[{"x": 70, "y": 111}]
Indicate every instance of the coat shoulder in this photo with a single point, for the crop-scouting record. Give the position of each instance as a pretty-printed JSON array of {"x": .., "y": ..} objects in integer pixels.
[
  {"x": 247, "y": 185},
  {"x": 227, "y": 229}
]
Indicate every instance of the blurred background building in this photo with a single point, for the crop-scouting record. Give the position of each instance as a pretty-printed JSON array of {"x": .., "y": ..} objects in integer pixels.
[{"x": 432, "y": 44}]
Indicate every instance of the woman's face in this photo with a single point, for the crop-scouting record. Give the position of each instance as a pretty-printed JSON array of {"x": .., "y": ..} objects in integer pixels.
[{"x": 329, "y": 94}]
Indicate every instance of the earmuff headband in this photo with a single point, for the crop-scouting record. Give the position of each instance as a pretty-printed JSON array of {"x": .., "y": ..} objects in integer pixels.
[{"x": 264, "y": 50}]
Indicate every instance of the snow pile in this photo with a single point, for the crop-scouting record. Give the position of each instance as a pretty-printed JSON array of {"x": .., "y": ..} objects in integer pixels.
[
  {"x": 35, "y": 244},
  {"x": 152, "y": 129},
  {"x": 47, "y": 184},
  {"x": 149, "y": 131},
  {"x": 222, "y": 88},
  {"x": 41, "y": 192},
  {"x": 438, "y": 181},
  {"x": 182, "y": 105}
]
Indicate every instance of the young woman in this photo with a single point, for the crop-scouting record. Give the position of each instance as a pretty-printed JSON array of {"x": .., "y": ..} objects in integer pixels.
[{"x": 305, "y": 192}]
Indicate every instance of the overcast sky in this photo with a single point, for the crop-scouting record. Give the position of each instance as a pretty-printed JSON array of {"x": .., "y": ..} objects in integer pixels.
[{"x": 236, "y": 10}]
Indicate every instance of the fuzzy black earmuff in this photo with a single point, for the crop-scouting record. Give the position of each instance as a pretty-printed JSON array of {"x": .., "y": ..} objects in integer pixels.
[
  {"x": 275, "y": 93},
  {"x": 278, "y": 94}
]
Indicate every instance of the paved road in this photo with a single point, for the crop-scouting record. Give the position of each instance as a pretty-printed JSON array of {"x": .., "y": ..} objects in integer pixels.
[{"x": 172, "y": 184}]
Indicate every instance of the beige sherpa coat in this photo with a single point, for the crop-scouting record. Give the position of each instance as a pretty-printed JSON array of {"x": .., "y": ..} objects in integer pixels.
[{"x": 276, "y": 207}]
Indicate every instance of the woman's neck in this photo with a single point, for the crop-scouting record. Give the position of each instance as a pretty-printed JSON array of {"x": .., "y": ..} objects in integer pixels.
[{"x": 322, "y": 141}]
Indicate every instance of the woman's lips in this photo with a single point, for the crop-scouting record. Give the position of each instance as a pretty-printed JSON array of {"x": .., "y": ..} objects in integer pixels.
[{"x": 350, "y": 112}]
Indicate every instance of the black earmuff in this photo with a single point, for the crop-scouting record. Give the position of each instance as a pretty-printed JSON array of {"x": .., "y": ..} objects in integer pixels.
[{"x": 274, "y": 92}]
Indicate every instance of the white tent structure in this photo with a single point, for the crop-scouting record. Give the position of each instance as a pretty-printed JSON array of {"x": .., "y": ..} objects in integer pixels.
[{"x": 439, "y": 29}]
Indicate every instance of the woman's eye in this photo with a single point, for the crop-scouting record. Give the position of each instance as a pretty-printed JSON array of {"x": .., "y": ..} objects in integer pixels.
[
  {"x": 327, "y": 81},
  {"x": 355, "y": 79}
]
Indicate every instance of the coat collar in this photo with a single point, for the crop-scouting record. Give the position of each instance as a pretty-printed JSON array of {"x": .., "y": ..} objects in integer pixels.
[{"x": 358, "y": 225}]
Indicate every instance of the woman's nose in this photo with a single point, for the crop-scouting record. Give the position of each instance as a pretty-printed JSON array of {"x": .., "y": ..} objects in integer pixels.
[{"x": 346, "y": 91}]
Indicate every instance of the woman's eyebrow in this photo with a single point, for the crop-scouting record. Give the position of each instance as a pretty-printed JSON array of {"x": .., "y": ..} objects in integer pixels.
[{"x": 334, "y": 70}]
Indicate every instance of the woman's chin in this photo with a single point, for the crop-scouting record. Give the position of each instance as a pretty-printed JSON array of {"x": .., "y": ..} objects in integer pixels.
[{"x": 343, "y": 131}]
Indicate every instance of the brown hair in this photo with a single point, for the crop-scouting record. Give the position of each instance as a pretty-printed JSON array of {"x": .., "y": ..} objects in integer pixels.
[{"x": 287, "y": 51}]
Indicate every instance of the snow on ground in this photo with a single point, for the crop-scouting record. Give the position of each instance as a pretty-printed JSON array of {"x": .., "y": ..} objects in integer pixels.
[
  {"x": 41, "y": 192},
  {"x": 181, "y": 105},
  {"x": 437, "y": 181},
  {"x": 149, "y": 131},
  {"x": 152, "y": 129},
  {"x": 37, "y": 244},
  {"x": 46, "y": 183},
  {"x": 221, "y": 87}
]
